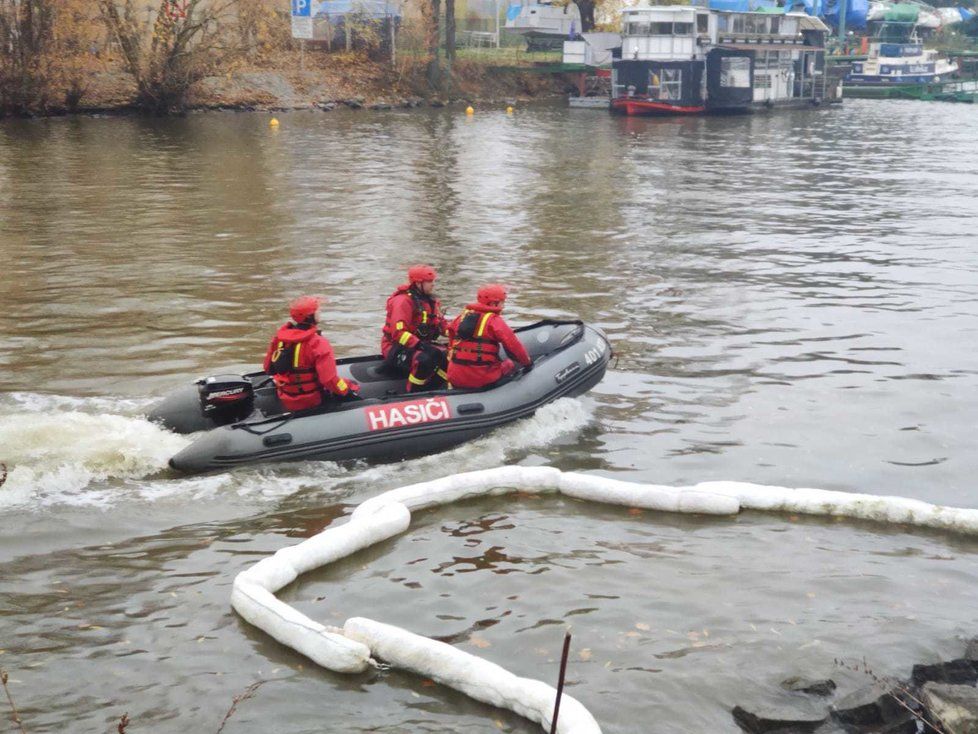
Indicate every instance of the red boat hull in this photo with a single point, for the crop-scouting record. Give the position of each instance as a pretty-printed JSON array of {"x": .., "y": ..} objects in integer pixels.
[{"x": 634, "y": 107}]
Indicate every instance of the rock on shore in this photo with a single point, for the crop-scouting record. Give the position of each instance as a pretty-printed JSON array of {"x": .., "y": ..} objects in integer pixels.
[{"x": 938, "y": 697}]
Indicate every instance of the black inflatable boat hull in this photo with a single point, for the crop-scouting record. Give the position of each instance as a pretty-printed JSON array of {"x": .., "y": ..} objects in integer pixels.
[{"x": 569, "y": 359}]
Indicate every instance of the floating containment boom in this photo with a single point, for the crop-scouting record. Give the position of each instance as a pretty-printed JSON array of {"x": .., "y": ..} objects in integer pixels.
[{"x": 361, "y": 642}]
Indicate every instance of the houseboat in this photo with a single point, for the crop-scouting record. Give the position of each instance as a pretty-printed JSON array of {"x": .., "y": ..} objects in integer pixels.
[
  {"x": 689, "y": 59},
  {"x": 897, "y": 57}
]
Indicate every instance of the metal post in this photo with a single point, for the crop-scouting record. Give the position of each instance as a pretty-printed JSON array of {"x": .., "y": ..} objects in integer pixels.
[
  {"x": 843, "y": 9},
  {"x": 560, "y": 682},
  {"x": 497, "y": 23}
]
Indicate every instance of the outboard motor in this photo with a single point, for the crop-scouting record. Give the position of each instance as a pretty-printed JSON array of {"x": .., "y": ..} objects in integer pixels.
[{"x": 226, "y": 398}]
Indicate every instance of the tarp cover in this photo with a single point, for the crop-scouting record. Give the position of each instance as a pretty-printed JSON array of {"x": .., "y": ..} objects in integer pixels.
[
  {"x": 812, "y": 7},
  {"x": 856, "y": 12},
  {"x": 736, "y": 6},
  {"x": 902, "y": 13},
  {"x": 726, "y": 97},
  {"x": 637, "y": 74}
]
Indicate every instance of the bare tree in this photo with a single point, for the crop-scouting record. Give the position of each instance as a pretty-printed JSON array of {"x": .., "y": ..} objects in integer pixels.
[
  {"x": 25, "y": 37},
  {"x": 450, "y": 31},
  {"x": 183, "y": 44},
  {"x": 430, "y": 12}
]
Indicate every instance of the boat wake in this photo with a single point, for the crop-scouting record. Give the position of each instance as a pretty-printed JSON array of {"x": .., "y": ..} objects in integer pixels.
[
  {"x": 506, "y": 445},
  {"x": 58, "y": 448},
  {"x": 97, "y": 452}
]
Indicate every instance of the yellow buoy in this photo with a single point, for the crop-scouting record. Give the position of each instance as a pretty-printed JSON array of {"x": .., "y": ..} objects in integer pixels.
[
  {"x": 469, "y": 110},
  {"x": 273, "y": 122},
  {"x": 509, "y": 110}
]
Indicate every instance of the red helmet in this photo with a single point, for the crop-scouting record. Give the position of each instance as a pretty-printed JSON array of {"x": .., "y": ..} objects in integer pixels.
[
  {"x": 492, "y": 293},
  {"x": 421, "y": 273},
  {"x": 304, "y": 308}
]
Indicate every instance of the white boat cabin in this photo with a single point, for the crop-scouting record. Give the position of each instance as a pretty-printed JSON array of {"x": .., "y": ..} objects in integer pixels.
[{"x": 695, "y": 58}]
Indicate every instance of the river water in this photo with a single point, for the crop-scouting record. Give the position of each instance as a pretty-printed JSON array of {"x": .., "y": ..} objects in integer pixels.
[{"x": 793, "y": 299}]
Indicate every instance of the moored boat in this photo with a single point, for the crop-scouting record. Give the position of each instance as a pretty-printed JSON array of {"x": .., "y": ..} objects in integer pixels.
[
  {"x": 244, "y": 422},
  {"x": 897, "y": 57},
  {"x": 690, "y": 59}
]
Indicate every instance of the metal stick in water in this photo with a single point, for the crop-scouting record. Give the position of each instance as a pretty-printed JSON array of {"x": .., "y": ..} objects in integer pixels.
[{"x": 560, "y": 682}]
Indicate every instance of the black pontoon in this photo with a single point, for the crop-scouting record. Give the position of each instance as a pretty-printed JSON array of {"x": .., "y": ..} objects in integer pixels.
[{"x": 245, "y": 422}]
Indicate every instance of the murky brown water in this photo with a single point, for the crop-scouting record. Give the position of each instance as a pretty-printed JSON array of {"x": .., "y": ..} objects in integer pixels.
[{"x": 794, "y": 301}]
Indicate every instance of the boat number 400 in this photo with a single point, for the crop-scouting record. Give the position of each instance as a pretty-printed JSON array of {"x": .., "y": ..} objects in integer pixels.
[{"x": 593, "y": 355}]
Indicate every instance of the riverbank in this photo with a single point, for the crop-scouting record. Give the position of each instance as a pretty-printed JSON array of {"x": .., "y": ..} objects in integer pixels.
[{"x": 318, "y": 81}]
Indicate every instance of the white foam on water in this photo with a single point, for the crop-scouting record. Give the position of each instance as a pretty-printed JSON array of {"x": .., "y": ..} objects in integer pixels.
[
  {"x": 15, "y": 402},
  {"x": 99, "y": 452},
  {"x": 55, "y": 456},
  {"x": 554, "y": 420}
]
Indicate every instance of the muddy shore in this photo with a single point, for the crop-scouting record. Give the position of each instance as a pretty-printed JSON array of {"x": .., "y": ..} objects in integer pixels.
[{"x": 351, "y": 85}]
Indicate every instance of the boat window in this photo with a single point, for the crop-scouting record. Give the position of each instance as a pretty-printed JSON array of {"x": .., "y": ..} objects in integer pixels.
[
  {"x": 666, "y": 84},
  {"x": 738, "y": 24},
  {"x": 775, "y": 25},
  {"x": 661, "y": 29},
  {"x": 638, "y": 29},
  {"x": 735, "y": 72},
  {"x": 703, "y": 23},
  {"x": 750, "y": 24},
  {"x": 672, "y": 84},
  {"x": 682, "y": 29}
]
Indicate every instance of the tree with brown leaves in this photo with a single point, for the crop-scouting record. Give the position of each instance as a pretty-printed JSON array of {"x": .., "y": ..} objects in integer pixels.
[{"x": 185, "y": 42}]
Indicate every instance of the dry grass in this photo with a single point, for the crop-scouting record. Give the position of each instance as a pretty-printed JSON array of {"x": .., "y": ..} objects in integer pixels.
[
  {"x": 248, "y": 692},
  {"x": 124, "y": 721}
]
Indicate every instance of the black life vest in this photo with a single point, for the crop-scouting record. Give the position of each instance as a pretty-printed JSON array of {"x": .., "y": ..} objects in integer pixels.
[
  {"x": 426, "y": 318},
  {"x": 426, "y": 315},
  {"x": 293, "y": 380},
  {"x": 470, "y": 346}
]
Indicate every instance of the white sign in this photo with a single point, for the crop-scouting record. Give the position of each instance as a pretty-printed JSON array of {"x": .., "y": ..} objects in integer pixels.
[{"x": 302, "y": 27}]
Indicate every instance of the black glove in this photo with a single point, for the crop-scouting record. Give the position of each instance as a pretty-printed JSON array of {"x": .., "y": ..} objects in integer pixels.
[{"x": 430, "y": 348}]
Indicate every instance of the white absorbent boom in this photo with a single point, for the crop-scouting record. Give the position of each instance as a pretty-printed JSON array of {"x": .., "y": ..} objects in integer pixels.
[{"x": 362, "y": 641}]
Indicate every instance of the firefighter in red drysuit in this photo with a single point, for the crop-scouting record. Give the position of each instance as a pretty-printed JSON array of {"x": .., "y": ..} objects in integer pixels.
[
  {"x": 301, "y": 362},
  {"x": 414, "y": 322},
  {"x": 477, "y": 333}
]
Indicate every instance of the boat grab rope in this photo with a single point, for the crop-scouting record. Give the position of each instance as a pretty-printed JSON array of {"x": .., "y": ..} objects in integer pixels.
[{"x": 361, "y": 643}]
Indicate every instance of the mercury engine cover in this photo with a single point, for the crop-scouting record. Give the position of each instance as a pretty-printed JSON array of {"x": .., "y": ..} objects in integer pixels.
[{"x": 226, "y": 398}]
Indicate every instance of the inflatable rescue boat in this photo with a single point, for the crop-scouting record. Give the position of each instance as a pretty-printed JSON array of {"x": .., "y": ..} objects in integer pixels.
[{"x": 245, "y": 423}]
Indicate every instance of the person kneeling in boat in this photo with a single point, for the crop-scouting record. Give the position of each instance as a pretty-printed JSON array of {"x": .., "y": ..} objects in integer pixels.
[
  {"x": 301, "y": 362},
  {"x": 414, "y": 323},
  {"x": 477, "y": 333}
]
